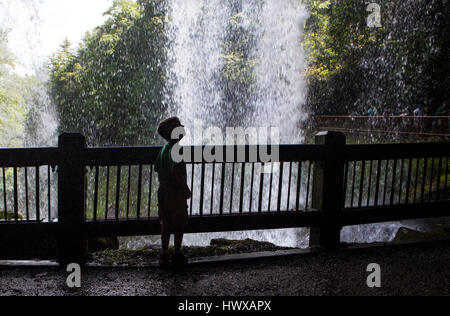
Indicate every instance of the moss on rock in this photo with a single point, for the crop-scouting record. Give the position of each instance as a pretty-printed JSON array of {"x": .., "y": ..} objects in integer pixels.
[
  {"x": 10, "y": 215},
  {"x": 218, "y": 247}
]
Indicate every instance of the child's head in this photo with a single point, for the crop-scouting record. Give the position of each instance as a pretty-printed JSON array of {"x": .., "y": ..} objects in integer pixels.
[{"x": 167, "y": 126}]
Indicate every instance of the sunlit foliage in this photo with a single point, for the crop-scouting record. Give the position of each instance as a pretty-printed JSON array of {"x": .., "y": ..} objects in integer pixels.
[
  {"x": 13, "y": 104},
  {"x": 351, "y": 66},
  {"x": 111, "y": 87}
]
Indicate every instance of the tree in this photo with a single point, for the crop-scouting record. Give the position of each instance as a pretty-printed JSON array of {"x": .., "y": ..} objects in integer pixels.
[
  {"x": 352, "y": 66},
  {"x": 111, "y": 88},
  {"x": 13, "y": 106}
]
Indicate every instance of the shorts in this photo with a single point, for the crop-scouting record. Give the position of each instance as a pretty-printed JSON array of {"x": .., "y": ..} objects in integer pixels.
[{"x": 172, "y": 208}]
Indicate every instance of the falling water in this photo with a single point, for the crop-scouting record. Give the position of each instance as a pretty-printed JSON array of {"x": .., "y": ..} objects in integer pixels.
[
  {"x": 198, "y": 32},
  {"x": 21, "y": 19},
  {"x": 271, "y": 32}
]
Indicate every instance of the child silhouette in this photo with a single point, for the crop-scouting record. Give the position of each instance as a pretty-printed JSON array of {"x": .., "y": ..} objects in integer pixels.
[{"x": 173, "y": 194}]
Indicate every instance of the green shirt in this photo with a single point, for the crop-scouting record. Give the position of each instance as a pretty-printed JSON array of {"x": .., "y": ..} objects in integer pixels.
[
  {"x": 164, "y": 165},
  {"x": 441, "y": 111}
]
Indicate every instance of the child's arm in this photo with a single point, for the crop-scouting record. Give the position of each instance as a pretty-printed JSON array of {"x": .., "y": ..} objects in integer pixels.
[{"x": 180, "y": 178}]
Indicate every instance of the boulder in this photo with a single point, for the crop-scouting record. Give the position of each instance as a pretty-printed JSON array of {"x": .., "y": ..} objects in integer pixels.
[{"x": 404, "y": 234}]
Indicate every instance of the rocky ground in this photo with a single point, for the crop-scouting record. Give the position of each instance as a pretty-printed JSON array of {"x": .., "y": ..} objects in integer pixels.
[
  {"x": 148, "y": 255},
  {"x": 419, "y": 269}
]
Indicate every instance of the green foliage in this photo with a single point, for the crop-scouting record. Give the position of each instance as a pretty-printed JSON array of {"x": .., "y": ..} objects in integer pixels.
[
  {"x": 111, "y": 88},
  {"x": 395, "y": 67},
  {"x": 13, "y": 105},
  {"x": 238, "y": 66},
  {"x": 6, "y": 58},
  {"x": 237, "y": 75}
]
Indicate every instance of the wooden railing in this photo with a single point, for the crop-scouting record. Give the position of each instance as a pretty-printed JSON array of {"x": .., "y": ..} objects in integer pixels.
[{"x": 72, "y": 193}]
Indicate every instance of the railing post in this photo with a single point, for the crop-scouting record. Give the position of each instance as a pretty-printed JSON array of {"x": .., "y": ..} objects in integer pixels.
[
  {"x": 71, "y": 195},
  {"x": 328, "y": 190}
]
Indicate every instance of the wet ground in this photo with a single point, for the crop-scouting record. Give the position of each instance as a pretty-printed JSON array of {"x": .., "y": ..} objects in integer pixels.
[{"x": 405, "y": 270}]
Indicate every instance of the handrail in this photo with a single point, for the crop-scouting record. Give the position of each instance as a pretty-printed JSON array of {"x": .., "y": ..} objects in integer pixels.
[
  {"x": 323, "y": 186},
  {"x": 147, "y": 155},
  {"x": 423, "y": 126},
  {"x": 381, "y": 117},
  {"x": 396, "y": 151},
  {"x": 29, "y": 157}
]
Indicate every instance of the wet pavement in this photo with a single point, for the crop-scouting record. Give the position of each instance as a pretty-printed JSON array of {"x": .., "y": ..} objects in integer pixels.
[{"x": 405, "y": 270}]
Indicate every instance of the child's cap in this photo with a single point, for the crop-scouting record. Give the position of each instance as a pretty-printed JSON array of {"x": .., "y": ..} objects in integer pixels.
[{"x": 166, "y": 127}]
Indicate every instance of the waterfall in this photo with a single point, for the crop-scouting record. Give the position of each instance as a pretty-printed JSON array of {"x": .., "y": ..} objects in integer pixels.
[
  {"x": 199, "y": 54},
  {"x": 272, "y": 31},
  {"x": 262, "y": 39}
]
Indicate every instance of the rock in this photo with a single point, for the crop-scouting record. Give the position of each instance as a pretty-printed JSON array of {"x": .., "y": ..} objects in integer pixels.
[
  {"x": 247, "y": 245},
  {"x": 404, "y": 233},
  {"x": 11, "y": 216},
  {"x": 222, "y": 242},
  {"x": 409, "y": 234}
]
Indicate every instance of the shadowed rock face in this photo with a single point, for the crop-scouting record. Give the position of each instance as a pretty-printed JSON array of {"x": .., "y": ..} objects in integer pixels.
[
  {"x": 28, "y": 249},
  {"x": 45, "y": 248},
  {"x": 404, "y": 234},
  {"x": 100, "y": 244}
]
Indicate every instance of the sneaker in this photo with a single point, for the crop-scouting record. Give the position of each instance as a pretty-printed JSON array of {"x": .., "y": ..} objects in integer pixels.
[
  {"x": 164, "y": 260},
  {"x": 179, "y": 259}
]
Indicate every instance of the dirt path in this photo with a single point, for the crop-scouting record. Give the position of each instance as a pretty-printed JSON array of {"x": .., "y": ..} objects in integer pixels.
[{"x": 405, "y": 270}]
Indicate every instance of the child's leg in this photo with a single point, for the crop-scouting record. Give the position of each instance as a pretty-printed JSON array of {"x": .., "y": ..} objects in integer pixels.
[
  {"x": 165, "y": 238},
  {"x": 178, "y": 240},
  {"x": 179, "y": 258}
]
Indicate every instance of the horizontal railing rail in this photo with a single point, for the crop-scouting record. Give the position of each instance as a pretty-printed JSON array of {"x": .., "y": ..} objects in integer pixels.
[
  {"x": 29, "y": 157},
  {"x": 72, "y": 192},
  {"x": 396, "y": 151},
  {"x": 426, "y": 126},
  {"x": 402, "y": 117},
  {"x": 148, "y": 155}
]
